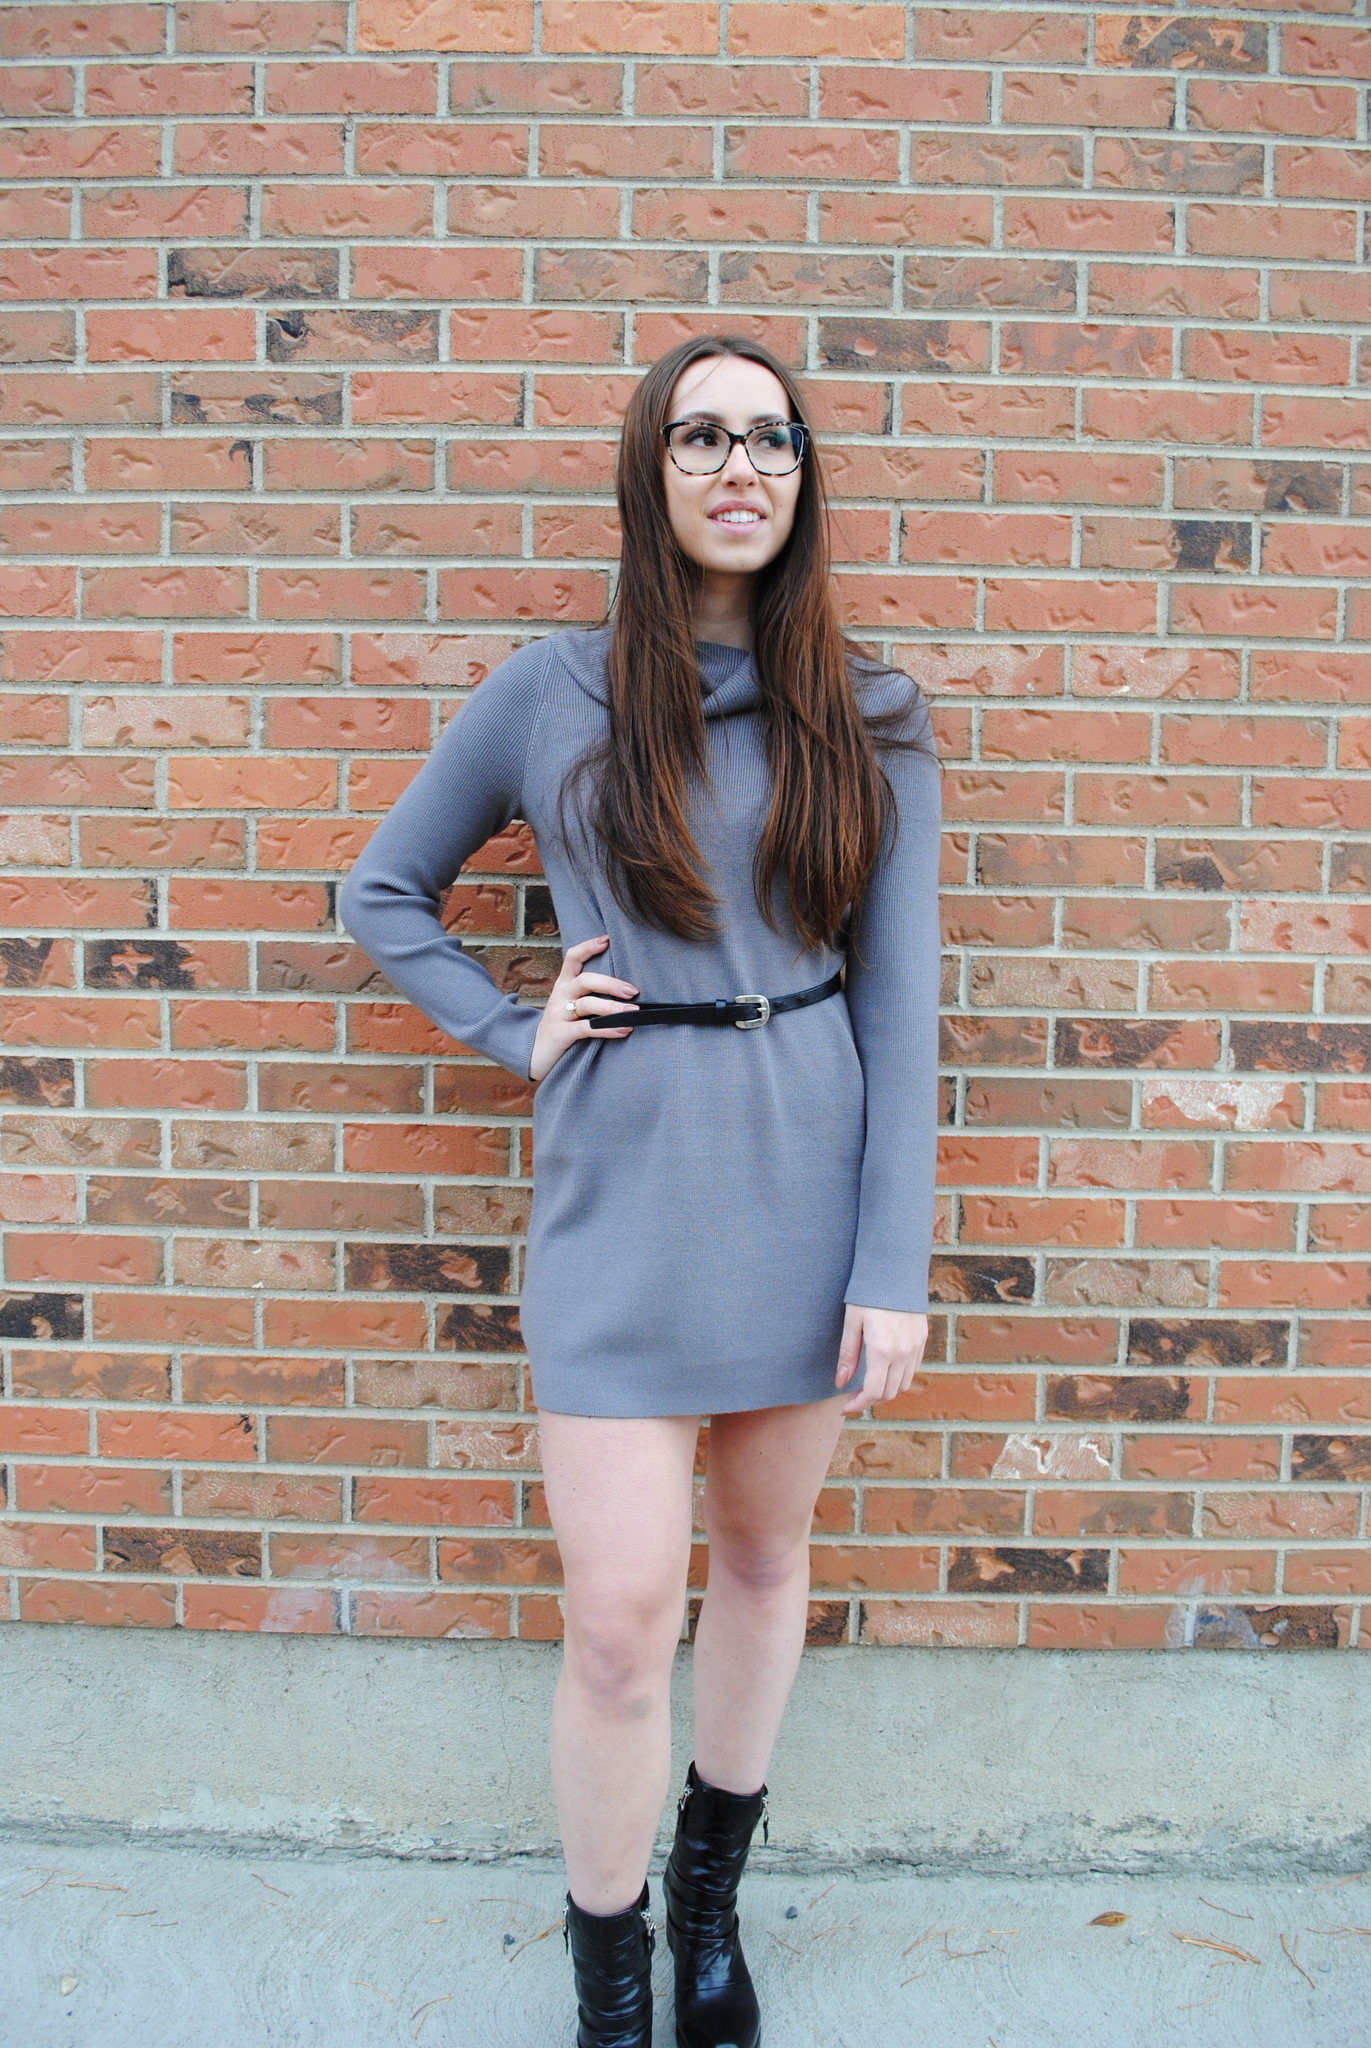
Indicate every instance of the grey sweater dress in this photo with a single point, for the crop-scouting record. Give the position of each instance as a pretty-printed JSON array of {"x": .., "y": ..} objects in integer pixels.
[{"x": 705, "y": 1199}]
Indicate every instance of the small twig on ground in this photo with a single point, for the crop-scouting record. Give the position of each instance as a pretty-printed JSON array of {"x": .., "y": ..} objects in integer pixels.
[
  {"x": 362, "y": 1985},
  {"x": 1290, "y": 1952},
  {"x": 820, "y": 1895},
  {"x": 1198, "y": 2001},
  {"x": 782, "y": 1944},
  {"x": 1355, "y": 1878},
  {"x": 1237, "y": 1955},
  {"x": 1223, "y": 1909},
  {"x": 425, "y": 2010},
  {"x": 268, "y": 1887},
  {"x": 551, "y": 1928},
  {"x": 1364, "y": 1932},
  {"x": 925, "y": 1936},
  {"x": 92, "y": 1884}
]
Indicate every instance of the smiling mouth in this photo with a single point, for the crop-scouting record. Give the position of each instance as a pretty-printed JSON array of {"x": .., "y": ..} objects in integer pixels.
[{"x": 736, "y": 518}]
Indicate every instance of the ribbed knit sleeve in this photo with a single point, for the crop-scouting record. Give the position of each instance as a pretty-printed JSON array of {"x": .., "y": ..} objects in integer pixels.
[
  {"x": 892, "y": 996},
  {"x": 468, "y": 789}
]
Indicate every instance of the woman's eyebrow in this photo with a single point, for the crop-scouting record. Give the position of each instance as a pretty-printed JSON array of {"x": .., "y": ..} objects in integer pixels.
[{"x": 759, "y": 419}]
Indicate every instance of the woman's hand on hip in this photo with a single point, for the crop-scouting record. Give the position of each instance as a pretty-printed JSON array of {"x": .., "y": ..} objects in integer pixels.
[
  {"x": 576, "y": 997},
  {"x": 894, "y": 1340}
]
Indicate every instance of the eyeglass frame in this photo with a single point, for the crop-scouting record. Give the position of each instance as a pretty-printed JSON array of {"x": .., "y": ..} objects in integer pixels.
[{"x": 793, "y": 426}]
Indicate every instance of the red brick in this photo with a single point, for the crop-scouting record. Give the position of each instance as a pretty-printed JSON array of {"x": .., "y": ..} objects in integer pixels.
[
  {"x": 1272, "y": 232},
  {"x": 829, "y": 30},
  {"x": 84, "y": 273},
  {"x": 365, "y": 1557},
  {"x": 1168, "y": 416},
  {"x": 176, "y": 1434},
  {"x": 1136, "y": 226},
  {"x": 1021, "y": 540},
  {"x": 463, "y": 1616},
  {"x": 985, "y": 411},
  {"x": 495, "y": 25},
  {"x": 1266, "y": 358},
  {"x": 351, "y": 209},
  {"x": 1078, "y": 100},
  {"x": 126, "y": 91},
  {"x": 98, "y": 1603},
  {"x": 713, "y": 90},
  {"x": 443, "y": 397},
  {"x": 1027, "y": 605},
  {"x": 685, "y": 214},
  {"x": 272, "y": 1610},
  {"x": 370, "y": 87},
  {"x": 1310, "y": 172},
  {"x": 1059, "y": 1625},
  {"x": 44, "y": 1432},
  {"x": 659, "y": 28},
  {"x": 966, "y": 35},
  {"x": 1264, "y": 107},
  {"x": 861, "y": 155},
  {"x": 1158, "y": 291},
  {"x": 252, "y": 149},
  {"x": 901, "y": 93},
  {"x": 35, "y": 211},
  {"x": 1316, "y": 422},
  {"x": 217, "y": 26},
  {"x": 92, "y": 1490},
  {"x": 147, "y": 212}
]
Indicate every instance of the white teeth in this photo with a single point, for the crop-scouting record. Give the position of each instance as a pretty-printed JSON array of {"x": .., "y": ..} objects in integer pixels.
[{"x": 737, "y": 518}]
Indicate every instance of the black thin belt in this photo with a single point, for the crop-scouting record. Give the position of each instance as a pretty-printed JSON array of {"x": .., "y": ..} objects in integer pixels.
[{"x": 746, "y": 1013}]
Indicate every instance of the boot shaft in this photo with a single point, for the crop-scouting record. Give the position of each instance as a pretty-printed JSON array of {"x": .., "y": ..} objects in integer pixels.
[
  {"x": 611, "y": 1958},
  {"x": 714, "y": 1833}
]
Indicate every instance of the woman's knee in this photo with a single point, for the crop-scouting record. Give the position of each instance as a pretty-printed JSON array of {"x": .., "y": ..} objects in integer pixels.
[
  {"x": 621, "y": 1650},
  {"x": 761, "y": 1561}
]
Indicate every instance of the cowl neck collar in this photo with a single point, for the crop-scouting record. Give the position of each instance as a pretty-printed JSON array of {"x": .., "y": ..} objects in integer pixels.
[{"x": 728, "y": 679}]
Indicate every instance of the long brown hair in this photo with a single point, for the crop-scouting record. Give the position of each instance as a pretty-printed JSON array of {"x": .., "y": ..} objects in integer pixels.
[{"x": 830, "y": 800}]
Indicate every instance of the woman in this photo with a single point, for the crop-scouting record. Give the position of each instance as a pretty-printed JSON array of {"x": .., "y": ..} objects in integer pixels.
[{"x": 727, "y": 1222}]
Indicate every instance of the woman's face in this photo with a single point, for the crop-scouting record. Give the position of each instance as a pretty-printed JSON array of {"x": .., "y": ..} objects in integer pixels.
[{"x": 734, "y": 522}]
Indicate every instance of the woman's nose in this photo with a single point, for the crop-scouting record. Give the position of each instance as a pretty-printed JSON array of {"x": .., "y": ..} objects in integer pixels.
[{"x": 738, "y": 469}]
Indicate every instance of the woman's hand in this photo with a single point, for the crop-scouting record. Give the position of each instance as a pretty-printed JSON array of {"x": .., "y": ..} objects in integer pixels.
[
  {"x": 894, "y": 1340},
  {"x": 575, "y": 997}
]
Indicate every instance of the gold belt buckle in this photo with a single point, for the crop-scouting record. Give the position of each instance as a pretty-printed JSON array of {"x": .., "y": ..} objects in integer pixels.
[{"x": 752, "y": 1023}]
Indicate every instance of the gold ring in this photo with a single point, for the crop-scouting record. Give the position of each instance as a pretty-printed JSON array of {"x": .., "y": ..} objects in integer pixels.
[{"x": 572, "y": 1010}]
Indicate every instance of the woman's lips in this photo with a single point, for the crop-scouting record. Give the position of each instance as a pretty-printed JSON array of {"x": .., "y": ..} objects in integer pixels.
[{"x": 736, "y": 515}]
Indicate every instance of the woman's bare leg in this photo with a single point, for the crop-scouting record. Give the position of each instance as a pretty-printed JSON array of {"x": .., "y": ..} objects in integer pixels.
[
  {"x": 765, "y": 1470},
  {"x": 619, "y": 1496}
]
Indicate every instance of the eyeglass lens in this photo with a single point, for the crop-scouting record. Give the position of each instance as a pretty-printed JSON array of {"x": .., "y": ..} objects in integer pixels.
[{"x": 701, "y": 447}]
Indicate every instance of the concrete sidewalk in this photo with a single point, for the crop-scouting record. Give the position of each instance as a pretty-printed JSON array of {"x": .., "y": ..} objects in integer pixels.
[{"x": 113, "y": 1947}]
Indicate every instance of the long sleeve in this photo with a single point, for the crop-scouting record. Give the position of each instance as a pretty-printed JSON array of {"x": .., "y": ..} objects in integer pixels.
[
  {"x": 892, "y": 996},
  {"x": 467, "y": 790}
]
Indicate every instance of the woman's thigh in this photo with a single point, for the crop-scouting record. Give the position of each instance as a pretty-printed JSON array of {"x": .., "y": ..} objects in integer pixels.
[
  {"x": 765, "y": 1468},
  {"x": 619, "y": 1498}
]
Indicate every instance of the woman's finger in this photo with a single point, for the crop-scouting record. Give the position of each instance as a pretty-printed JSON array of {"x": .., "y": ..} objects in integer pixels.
[
  {"x": 600, "y": 984},
  {"x": 850, "y": 1349},
  {"x": 600, "y": 1006}
]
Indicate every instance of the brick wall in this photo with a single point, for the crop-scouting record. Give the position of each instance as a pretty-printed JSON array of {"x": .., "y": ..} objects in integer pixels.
[{"x": 316, "y": 324}]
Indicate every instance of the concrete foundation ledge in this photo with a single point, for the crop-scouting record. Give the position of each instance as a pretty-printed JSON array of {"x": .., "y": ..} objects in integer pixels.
[{"x": 945, "y": 1761}]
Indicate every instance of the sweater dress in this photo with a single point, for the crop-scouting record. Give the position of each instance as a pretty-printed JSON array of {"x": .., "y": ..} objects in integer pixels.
[{"x": 705, "y": 1199}]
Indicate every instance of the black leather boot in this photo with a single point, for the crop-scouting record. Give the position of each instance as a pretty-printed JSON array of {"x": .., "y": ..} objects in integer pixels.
[
  {"x": 716, "y": 2006},
  {"x": 611, "y": 1956}
]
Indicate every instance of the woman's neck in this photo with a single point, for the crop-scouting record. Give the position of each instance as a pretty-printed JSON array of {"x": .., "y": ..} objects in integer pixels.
[{"x": 722, "y": 611}]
